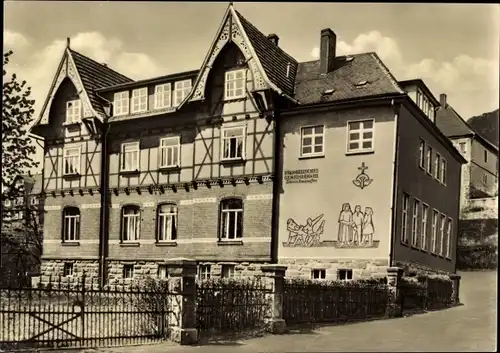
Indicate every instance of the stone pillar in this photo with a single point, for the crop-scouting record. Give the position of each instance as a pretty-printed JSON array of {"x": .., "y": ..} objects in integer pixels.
[
  {"x": 274, "y": 281},
  {"x": 182, "y": 298},
  {"x": 394, "y": 307},
  {"x": 455, "y": 296}
]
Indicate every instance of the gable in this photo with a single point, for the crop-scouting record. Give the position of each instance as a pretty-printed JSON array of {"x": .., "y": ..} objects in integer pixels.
[{"x": 450, "y": 123}]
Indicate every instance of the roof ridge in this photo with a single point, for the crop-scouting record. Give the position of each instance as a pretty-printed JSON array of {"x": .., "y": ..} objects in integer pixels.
[
  {"x": 100, "y": 64},
  {"x": 386, "y": 71}
]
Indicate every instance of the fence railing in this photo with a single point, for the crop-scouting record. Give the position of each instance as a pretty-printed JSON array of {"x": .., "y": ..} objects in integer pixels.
[
  {"x": 230, "y": 305},
  {"x": 425, "y": 293},
  {"x": 306, "y": 301},
  {"x": 62, "y": 315}
]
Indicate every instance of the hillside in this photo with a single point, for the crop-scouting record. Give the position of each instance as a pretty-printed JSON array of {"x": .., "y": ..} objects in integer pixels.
[{"x": 486, "y": 125}]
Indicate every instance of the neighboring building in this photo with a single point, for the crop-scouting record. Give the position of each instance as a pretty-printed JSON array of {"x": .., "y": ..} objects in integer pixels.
[
  {"x": 480, "y": 174},
  {"x": 15, "y": 211},
  {"x": 255, "y": 158},
  {"x": 486, "y": 125}
]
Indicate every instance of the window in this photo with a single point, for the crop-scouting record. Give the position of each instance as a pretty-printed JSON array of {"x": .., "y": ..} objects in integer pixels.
[
  {"x": 429, "y": 160},
  {"x": 414, "y": 223},
  {"x": 73, "y": 111},
  {"x": 128, "y": 271},
  {"x": 448, "y": 238},
  {"x": 437, "y": 166},
  {"x": 422, "y": 154},
  {"x": 167, "y": 222},
  {"x": 233, "y": 143},
  {"x": 169, "y": 151},
  {"x": 404, "y": 219},
  {"x": 435, "y": 216},
  {"x": 423, "y": 229},
  {"x": 235, "y": 84},
  {"x": 318, "y": 274},
  {"x": 140, "y": 100},
  {"x": 344, "y": 274},
  {"x": 360, "y": 136},
  {"x": 163, "y": 96},
  {"x": 68, "y": 269},
  {"x": 231, "y": 219},
  {"x": 442, "y": 234},
  {"x": 71, "y": 224},
  {"x": 182, "y": 89},
  {"x": 6, "y": 203},
  {"x": 130, "y": 156},
  {"x": 432, "y": 113},
  {"x": 419, "y": 99},
  {"x": 72, "y": 160},
  {"x": 463, "y": 147},
  {"x": 485, "y": 156},
  {"x": 121, "y": 103},
  {"x": 34, "y": 201},
  {"x": 130, "y": 223},
  {"x": 162, "y": 271},
  {"x": 312, "y": 140},
  {"x": 442, "y": 176},
  {"x": 227, "y": 271},
  {"x": 204, "y": 272}
]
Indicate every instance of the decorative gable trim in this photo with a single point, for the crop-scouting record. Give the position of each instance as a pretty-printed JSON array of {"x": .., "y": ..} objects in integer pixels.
[
  {"x": 67, "y": 69},
  {"x": 232, "y": 30}
]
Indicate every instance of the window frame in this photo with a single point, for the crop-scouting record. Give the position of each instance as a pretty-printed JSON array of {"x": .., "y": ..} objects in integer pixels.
[
  {"x": 361, "y": 139},
  {"x": 162, "y": 274},
  {"x": 463, "y": 150},
  {"x": 223, "y": 138},
  {"x": 430, "y": 162},
  {"x": 442, "y": 229},
  {"x": 227, "y": 80},
  {"x": 321, "y": 274},
  {"x": 142, "y": 106},
  {"x": 75, "y": 118},
  {"x": 230, "y": 273},
  {"x": 414, "y": 222},
  {"x": 313, "y": 144},
  {"x": 422, "y": 153},
  {"x": 182, "y": 89},
  {"x": 434, "y": 233},
  {"x": 423, "y": 226},
  {"x": 123, "y": 216},
  {"x": 68, "y": 269},
  {"x": 205, "y": 275},
  {"x": 404, "y": 218},
  {"x": 163, "y": 149},
  {"x": 443, "y": 171},
  {"x": 347, "y": 272},
  {"x": 160, "y": 95},
  {"x": 77, "y": 156},
  {"x": 124, "y": 97},
  {"x": 224, "y": 228},
  {"x": 449, "y": 228},
  {"x": 77, "y": 224},
  {"x": 172, "y": 236},
  {"x": 137, "y": 145},
  {"x": 437, "y": 166},
  {"x": 130, "y": 267}
]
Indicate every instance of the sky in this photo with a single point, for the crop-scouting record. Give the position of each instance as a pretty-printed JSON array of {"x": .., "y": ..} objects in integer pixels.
[{"x": 454, "y": 48}]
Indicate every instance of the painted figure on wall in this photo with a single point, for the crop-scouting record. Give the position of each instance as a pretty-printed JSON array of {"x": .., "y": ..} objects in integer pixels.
[
  {"x": 356, "y": 229},
  {"x": 345, "y": 224},
  {"x": 305, "y": 235}
]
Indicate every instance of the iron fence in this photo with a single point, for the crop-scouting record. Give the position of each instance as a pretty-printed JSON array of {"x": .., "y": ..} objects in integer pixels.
[
  {"x": 230, "y": 305},
  {"x": 439, "y": 292},
  {"x": 306, "y": 301},
  {"x": 63, "y": 315},
  {"x": 412, "y": 295}
]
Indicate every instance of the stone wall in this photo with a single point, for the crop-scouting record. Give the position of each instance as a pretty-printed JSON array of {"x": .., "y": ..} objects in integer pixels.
[
  {"x": 52, "y": 271},
  {"x": 361, "y": 268},
  {"x": 486, "y": 208}
]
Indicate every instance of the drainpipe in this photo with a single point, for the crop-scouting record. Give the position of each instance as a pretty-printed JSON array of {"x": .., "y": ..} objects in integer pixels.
[
  {"x": 394, "y": 181},
  {"x": 276, "y": 186}
]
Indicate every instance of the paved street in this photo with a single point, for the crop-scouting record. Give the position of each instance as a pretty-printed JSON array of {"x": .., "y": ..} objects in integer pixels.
[{"x": 467, "y": 328}]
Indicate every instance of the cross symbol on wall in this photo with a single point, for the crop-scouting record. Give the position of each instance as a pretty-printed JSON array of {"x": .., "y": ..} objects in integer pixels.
[{"x": 363, "y": 168}]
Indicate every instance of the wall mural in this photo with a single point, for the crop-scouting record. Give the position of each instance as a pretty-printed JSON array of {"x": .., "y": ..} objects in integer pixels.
[
  {"x": 355, "y": 230},
  {"x": 362, "y": 180}
]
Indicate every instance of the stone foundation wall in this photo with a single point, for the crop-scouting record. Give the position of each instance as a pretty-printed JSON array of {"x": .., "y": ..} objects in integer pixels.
[
  {"x": 52, "y": 271},
  {"x": 361, "y": 268}
]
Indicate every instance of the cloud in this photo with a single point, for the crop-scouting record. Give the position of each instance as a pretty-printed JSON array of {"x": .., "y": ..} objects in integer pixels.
[
  {"x": 41, "y": 67},
  {"x": 14, "y": 41},
  {"x": 471, "y": 83}
]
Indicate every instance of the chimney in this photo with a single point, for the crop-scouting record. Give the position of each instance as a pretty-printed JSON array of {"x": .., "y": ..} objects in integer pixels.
[
  {"x": 442, "y": 100},
  {"x": 327, "y": 50},
  {"x": 273, "y": 38},
  {"x": 104, "y": 64}
]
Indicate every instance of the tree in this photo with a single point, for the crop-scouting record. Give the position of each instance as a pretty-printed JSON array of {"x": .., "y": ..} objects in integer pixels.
[{"x": 20, "y": 244}]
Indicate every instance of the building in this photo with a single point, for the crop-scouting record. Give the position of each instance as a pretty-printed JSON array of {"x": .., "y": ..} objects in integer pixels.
[
  {"x": 16, "y": 211},
  {"x": 254, "y": 158},
  {"x": 480, "y": 173}
]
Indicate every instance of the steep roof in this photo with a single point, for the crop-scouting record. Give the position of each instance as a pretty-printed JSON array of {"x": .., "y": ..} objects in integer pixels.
[
  {"x": 347, "y": 80},
  {"x": 451, "y": 123},
  {"x": 94, "y": 76},
  {"x": 486, "y": 125},
  {"x": 275, "y": 61}
]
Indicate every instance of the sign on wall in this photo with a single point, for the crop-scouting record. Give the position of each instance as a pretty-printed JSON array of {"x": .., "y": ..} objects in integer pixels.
[{"x": 301, "y": 176}]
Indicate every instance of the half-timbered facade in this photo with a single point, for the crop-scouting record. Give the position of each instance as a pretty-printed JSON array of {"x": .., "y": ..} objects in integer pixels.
[{"x": 191, "y": 164}]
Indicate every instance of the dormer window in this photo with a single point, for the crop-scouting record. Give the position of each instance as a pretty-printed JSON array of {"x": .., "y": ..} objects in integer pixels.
[
  {"x": 182, "y": 89},
  {"x": 121, "y": 103},
  {"x": 163, "y": 96},
  {"x": 73, "y": 111},
  {"x": 235, "y": 84},
  {"x": 140, "y": 100}
]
